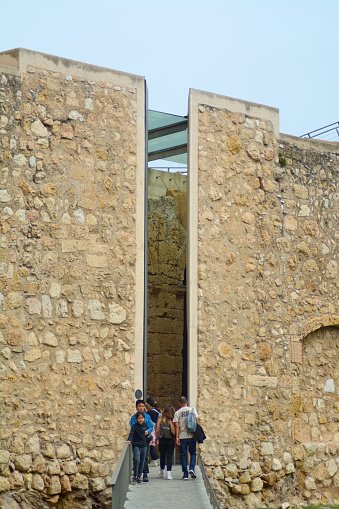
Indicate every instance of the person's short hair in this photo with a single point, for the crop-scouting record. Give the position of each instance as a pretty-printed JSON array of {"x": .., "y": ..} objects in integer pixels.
[
  {"x": 138, "y": 414},
  {"x": 151, "y": 401},
  {"x": 182, "y": 400},
  {"x": 138, "y": 401}
]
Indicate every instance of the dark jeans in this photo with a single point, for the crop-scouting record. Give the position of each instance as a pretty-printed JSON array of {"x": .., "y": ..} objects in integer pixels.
[
  {"x": 139, "y": 455},
  {"x": 166, "y": 448},
  {"x": 146, "y": 469},
  {"x": 191, "y": 446},
  {"x": 153, "y": 452}
]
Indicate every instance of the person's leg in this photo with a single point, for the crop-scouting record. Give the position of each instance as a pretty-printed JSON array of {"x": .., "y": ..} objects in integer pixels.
[
  {"x": 153, "y": 453},
  {"x": 136, "y": 461},
  {"x": 169, "y": 454},
  {"x": 192, "y": 449},
  {"x": 143, "y": 457},
  {"x": 162, "y": 450},
  {"x": 145, "y": 470},
  {"x": 183, "y": 455}
]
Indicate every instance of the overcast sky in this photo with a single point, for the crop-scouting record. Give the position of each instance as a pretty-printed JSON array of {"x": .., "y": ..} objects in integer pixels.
[{"x": 278, "y": 53}]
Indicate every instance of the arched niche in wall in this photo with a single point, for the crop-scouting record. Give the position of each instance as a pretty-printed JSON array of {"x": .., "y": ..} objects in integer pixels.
[{"x": 316, "y": 392}]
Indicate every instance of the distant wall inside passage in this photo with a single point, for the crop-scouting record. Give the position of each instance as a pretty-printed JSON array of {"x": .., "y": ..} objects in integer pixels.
[{"x": 166, "y": 288}]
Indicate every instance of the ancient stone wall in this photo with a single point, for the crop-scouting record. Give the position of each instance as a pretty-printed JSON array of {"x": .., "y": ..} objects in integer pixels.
[
  {"x": 166, "y": 295},
  {"x": 268, "y": 310},
  {"x": 68, "y": 205}
]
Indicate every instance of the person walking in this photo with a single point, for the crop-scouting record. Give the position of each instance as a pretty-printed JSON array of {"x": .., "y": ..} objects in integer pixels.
[
  {"x": 138, "y": 439},
  {"x": 166, "y": 434},
  {"x": 140, "y": 407},
  {"x": 154, "y": 413},
  {"x": 184, "y": 438}
]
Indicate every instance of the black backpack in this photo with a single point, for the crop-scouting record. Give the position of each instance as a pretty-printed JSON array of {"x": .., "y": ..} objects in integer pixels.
[{"x": 165, "y": 430}]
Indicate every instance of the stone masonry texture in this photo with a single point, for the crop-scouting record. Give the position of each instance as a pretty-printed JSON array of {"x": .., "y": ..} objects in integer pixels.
[
  {"x": 167, "y": 223},
  {"x": 67, "y": 285},
  {"x": 70, "y": 340},
  {"x": 268, "y": 334}
]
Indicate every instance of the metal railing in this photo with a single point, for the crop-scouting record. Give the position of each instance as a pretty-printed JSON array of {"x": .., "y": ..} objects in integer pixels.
[
  {"x": 121, "y": 477},
  {"x": 209, "y": 488},
  {"x": 170, "y": 169},
  {"x": 331, "y": 131}
]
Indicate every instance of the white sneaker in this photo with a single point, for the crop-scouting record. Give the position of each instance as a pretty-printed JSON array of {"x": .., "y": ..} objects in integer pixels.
[
  {"x": 154, "y": 463},
  {"x": 169, "y": 475},
  {"x": 161, "y": 473}
]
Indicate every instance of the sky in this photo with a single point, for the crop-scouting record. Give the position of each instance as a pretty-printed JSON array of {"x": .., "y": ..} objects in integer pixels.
[{"x": 278, "y": 53}]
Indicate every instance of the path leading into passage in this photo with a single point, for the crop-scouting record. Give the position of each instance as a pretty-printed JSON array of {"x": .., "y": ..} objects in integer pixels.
[{"x": 163, "y": 494}]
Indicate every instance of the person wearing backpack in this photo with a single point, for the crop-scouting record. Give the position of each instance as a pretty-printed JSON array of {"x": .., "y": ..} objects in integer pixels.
[
  {"x": 154, "y": 413},
  {"x": 185, "y": 421},
  {"x": 166, "y": 434}
]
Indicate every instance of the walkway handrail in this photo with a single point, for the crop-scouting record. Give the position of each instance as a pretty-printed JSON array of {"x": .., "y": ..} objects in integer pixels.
[
  {"x": 121, "y": 477},
  {"x": 209, "y": 488}
]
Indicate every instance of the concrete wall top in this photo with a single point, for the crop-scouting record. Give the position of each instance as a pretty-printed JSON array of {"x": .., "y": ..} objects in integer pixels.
[
  {"x": 311, "y": 143},
  {"x": 19, "y": 59},
  {"x": 236, "y": 106}
]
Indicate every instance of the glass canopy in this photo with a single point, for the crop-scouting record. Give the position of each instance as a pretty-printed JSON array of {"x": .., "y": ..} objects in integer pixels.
[{"x": 167, "y": 137}]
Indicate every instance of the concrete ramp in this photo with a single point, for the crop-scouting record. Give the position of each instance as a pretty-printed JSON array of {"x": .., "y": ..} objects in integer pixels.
[{"x": 166, "y": 494}]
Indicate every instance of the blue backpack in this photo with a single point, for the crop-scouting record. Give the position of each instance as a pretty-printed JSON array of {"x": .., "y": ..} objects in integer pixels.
[{"x": 191, "y": 422}]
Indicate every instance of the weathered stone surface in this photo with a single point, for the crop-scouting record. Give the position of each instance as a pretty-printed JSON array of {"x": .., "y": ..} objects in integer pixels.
[
  {"x": 65, "y": 484},
  {"x": 17, "y": 446},
  {"x": 256, "y": 484},
  {"x": 116, "y": 314},
  {"x": 4, "y": 457},
  {"x": 70, "y": 467},
  {"x": 23, "y": 462},
  {"x": 53, "y": 467},
  {"x": 14, "y": 300},
  {"x": 4, "y": 485},
  {"x": 54, "y": 486},
  {"x": 97, "y": 484},
  {"x": 48, "y": 450},
  {"x": 39, "y": 464},
  {"x": 267, "y": 449},
  {"x": 74, "y": 356},
  {"x": 16, "y": 480},
  {"x": 80, "y": 482},
  {"x": 95, "y": 310},
  {"x": 39, "y": 129},
  {"x": 32, "y": 445},
  {"x": 63, "y": 452},
  {"x": 38, "y": 482},
  {"x": 32, "y": 355},
  {"x": 269, "y": 479},
  {"x": 310, "y": 483},
  {"x": 50, "y": 339}
]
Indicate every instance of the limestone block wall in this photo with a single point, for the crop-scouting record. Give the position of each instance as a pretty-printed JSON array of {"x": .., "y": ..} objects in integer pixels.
[
  {"x": 268, "y": 308},
  {"x": 166, "y": 295},
  {"x": 70, "y": 294}
]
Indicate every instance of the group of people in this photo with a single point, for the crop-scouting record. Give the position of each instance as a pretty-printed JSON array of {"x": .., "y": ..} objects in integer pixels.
[{"x": 167, "y": 428}]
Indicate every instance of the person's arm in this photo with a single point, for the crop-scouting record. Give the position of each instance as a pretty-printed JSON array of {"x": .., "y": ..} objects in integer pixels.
[
  {"x": 157, "y": 433},
  {"x": 170, "y": 422},
  {"x": 177, "y": 441},
  {"x": 133, "y": 420},
  {"x": 130, "y": 436},
  {"x": 196, "y": 416}
]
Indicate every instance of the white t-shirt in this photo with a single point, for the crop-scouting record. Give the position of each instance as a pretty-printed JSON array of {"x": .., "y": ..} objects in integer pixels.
[{"x": 180, "y": 417}]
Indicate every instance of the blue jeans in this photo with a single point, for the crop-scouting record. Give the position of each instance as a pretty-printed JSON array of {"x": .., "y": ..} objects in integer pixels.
[
  {"x": 139, "y": 455},
  {"x": 191, "y": 446}
]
